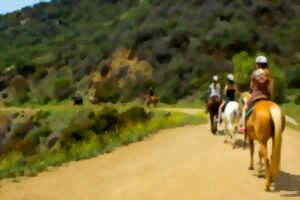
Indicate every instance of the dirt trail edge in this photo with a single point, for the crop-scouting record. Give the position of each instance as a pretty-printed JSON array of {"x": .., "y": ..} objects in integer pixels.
[{"x": 180, "y": 163}]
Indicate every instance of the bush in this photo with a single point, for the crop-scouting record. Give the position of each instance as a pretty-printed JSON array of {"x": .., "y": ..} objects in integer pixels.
[
  {"x": 279, "y": 82},
  {"x": 62, "y": 88},
  {"x": 244, "y": 65},
  {"x": 134, "y": 114},
  {"x": 293, "y": 77},
  {"x": 87, "y": 122},
  {"x": 107, "y": 91},
  {"x": 37, "y": 133},
  {"x": 297, "y": 99},
  {"x": 107, "y": 119},
  {"x": 21, "y": 89},
  {"x": 40, "y": 73}
]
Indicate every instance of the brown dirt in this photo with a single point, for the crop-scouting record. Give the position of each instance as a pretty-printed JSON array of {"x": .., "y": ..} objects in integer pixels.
[{"x": 180, "y": 163}]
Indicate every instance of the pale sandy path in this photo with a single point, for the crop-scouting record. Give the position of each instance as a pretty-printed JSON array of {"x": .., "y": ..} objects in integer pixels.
[{"x": 180, "y": 163}]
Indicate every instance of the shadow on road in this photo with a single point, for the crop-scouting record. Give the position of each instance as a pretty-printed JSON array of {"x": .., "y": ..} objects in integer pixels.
[
  {"x": 239, "y": 143},
  {"x": 288, "y": 183}
]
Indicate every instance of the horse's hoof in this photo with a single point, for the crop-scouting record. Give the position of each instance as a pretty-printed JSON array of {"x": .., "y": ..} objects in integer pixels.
[
  {"x": 250, "y": 168},
  {"x": 260, "y": 175},
  {"x": 225, "y": 141},
  {"x": 267, "y": 189}
]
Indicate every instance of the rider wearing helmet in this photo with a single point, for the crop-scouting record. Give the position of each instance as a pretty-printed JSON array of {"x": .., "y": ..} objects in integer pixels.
[
  {"x": 213, "y": 90},
  {"x": 262, "y": 85},
  {"x": 151, "y": 92},
  {"x": 229, "y": 92}
]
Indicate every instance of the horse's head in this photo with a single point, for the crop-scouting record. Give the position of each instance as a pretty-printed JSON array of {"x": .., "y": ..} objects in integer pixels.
[{"x": 245, "y": 96}]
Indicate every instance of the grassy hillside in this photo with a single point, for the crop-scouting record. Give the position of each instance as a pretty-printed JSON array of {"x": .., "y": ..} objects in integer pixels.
[{"x": 121, "y": 47}]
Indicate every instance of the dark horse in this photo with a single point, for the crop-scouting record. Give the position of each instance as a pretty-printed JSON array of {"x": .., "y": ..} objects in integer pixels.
[
  {"x": 77, "y": 100},
  {"x": 213, "y": 105}
]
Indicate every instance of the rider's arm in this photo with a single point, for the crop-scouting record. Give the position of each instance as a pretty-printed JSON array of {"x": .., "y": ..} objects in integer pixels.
[
  {"x": 271, "y": 86},
  {"x": 225, "y": 90},
  {"x": 251, "y": 85},
  {"x": 271, "y": 82},
  {"x": 237, "y": 90}
]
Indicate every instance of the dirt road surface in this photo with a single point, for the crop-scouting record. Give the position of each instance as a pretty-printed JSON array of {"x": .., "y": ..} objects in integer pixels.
[{"x": 181, "y": 163}]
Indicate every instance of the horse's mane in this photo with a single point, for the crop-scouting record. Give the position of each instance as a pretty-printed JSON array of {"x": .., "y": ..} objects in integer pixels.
[{"x": 246, "y": 95}]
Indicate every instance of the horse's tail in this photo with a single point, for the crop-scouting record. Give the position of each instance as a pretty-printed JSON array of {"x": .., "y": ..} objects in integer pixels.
[{"x": 278, "y": 121}]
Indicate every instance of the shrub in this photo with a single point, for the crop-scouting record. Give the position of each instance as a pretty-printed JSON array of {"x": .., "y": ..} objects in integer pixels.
[
  {"x": 297, "y": 99},
  {"x": 21, "y": 89},
  {"x": 107, "y": 119},
  {"x": 107, "y": 91},
  {"x": 62, "y": 88},
  {"x": 244, "y": 65},
  {"x": 40, "y": 73},
  {"x": 39, "y": 132},
  {"x": 134, "y": 114},
  {"x": 293, "y": 77}
]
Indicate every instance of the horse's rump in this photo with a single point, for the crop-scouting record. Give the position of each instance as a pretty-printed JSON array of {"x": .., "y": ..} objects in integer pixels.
[{"x": 213, "y": 104}]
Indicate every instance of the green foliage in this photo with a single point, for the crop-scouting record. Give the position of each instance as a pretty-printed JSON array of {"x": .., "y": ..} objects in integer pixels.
[
  {"x": 244, "y": 65},
  {"x": 107, "y": 91},
  {"x": 134, "y": 114},
  {"x": 18, "y": 164},
  {"x": 279, "y": 82},
  {"x": 39, "y": 132},
  {"x": 71, "y": 33},
  {"x": 62, "y": 88},
  {"x": 21, "y": 89},
  {"x": 40, "y": 73},
  {"x": 45, "y": 60},
  {"x": 297, "y": 99},
  {"x": 293, "y": 77}
]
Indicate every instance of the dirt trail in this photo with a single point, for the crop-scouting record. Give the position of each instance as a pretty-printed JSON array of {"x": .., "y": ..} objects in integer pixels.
[{"x": 180, "y": 163}]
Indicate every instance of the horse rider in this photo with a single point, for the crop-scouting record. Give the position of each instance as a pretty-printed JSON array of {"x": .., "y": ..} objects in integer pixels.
[
  {"x": 213, "y": 90},
  {"x": 151, "y": 92},
  {"x": 262, "y": 86},
  {"x": 229, "y": 92}
]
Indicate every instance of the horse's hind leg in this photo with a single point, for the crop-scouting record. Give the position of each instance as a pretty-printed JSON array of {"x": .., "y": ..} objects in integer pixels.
[
  {"x": 251, "y": 144},
  {"x": 264, "y": 153},
  {"x": 212, "y": 124}
]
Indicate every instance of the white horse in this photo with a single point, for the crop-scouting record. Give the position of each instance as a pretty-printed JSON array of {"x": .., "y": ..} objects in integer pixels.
[{"x": 231, "y": 117}]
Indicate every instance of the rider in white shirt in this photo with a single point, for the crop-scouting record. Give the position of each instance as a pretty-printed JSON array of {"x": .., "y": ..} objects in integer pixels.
[{"x": 214, "y": 89}]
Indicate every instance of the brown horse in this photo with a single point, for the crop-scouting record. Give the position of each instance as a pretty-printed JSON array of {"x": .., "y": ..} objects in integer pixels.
[
  {"x": 94, "y": 100},
  {"x": 266, "y": 121},
  {"x": 213, "y": 105},
  {"x": 150, "y": 100}
]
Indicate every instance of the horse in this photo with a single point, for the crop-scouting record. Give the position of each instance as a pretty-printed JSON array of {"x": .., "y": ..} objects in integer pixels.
[
  {"x": 77, "y": 100},
  {"x": 213, "y": 105},
  {"x": 231, "y": 118},
  {"x": 150, "y": 100},
  {"x": 266, "y": 121},
  {"x": 94, "y": 100}
]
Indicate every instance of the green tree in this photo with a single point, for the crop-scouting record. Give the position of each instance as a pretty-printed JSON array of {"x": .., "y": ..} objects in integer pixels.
[
  {"x": 243, "y": 67},
  {"x": 62, "y": 88}
]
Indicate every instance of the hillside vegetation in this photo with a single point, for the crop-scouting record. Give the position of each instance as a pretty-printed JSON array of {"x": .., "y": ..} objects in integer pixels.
[{"x": 122, "y": 47}]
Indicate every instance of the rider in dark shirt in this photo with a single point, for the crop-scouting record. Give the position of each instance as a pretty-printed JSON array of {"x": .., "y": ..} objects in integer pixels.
[
  {"x": 229, "y": 93},
  {"x": 151, "y": 92}
]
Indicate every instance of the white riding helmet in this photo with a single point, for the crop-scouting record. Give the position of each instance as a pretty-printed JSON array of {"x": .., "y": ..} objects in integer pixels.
[
  {"x": 215, "y": 78},
  {"x": 230, "y": 77},
  {"x": 261, "y": 60}
]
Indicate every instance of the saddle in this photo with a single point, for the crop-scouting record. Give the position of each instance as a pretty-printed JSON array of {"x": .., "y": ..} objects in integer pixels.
[{"x": 250, "y": 110}]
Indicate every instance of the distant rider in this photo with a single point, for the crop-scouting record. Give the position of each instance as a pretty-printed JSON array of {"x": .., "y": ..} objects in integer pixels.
[{"x": 213, "y": 90}]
